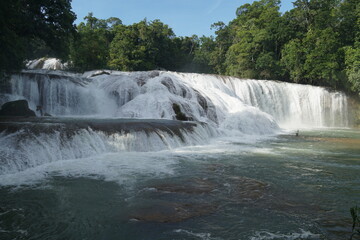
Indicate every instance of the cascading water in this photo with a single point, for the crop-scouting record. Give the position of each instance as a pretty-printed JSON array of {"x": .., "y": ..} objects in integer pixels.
[
  {"x": 52, "y": 140},
  {"x": 208, "y": 98},
  {"x": 229, "y": 106},
  {"x": 112, "y": 161},
  {"x": 59, "y": 94}
]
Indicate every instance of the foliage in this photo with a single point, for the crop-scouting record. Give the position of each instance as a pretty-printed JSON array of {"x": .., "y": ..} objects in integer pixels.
[
  {"x": 184, "y": 53},
  {"x": 255, "y": 49},
  {"x": 30, "y": 26},
  {"x": 90, "y": 48},
  {"x": 352, "y": 62},
  {"x": 317, "y": 42},
  {"x": 142, "y": 46}
]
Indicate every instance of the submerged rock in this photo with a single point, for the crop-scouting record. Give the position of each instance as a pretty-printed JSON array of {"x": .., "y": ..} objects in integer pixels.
[
  {"x": 247, "y": 189},
  {"x": 195, "y": 186},
  {"x": 19, "y": 108},
  {"x": 168, "y": 212}
]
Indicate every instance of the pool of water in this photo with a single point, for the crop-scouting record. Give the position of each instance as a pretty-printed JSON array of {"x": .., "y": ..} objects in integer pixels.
[{"x": 280, "y": 187}]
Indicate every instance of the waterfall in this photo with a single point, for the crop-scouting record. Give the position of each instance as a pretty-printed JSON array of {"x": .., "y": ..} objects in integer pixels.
[
  {"x": 25, "y": 145},
  {"x": 59, "y": 93},
  {"x": 89, "y": 111},
  {"x": 208, "y": 98},
  {"x": 293, "y": 104}
]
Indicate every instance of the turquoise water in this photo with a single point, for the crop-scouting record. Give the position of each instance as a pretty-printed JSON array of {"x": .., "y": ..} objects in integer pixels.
[{"x": 282, "y": 187}]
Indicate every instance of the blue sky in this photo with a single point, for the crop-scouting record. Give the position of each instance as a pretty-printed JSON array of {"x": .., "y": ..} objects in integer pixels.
[{"x": 185, "y": 17}]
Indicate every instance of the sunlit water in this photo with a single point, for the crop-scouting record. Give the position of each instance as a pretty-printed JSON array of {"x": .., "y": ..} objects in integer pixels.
[
  {"x": 236, "y": 175},
  {"x": 279, "y": 187}
]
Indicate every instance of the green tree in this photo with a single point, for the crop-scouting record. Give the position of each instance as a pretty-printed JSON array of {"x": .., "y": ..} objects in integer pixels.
[
  {"x": 142, "y": 46},
  {"x": 204, "y": 55},
  {"x": 352, "y": 52},
  {"x": 256, "y": 47},
  {"x": 315, "y": 55},
  {"x": 348, "y": 26},
  {"x": 293, "y": 58},
  {"x": 24, "y": 23},
  {"x": 90, "y": 47},
  {"x": 352, "y": 62},
  {"x": 321, "y": 64},
  {"x": 224, "y": 39}
]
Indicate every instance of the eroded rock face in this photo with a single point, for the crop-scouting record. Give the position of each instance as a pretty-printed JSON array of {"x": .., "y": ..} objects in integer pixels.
[{"x": 19, "y": 108}]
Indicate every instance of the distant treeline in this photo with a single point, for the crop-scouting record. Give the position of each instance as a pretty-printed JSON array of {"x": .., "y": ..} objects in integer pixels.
[{"x": 317, "y": 42}]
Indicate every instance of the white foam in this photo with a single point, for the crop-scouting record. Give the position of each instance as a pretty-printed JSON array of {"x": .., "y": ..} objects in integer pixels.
[
  {"x": 202, "y": 236},
  {"x": 123, "y": 168},
  {"x": 209, "y": 98},
  {"x": 47, "y": 63},
  {"x": 22, "y": 150},
  {"x": 263, "y": 235}
]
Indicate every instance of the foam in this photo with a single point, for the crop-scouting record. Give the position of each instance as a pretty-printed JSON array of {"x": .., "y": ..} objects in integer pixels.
[
  {"x": 123, "y": 168},
  {"x": 264, "y": 235}
]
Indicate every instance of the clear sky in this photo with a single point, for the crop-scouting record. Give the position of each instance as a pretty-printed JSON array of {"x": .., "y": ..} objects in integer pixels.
[{"x": 185, "y": 17}]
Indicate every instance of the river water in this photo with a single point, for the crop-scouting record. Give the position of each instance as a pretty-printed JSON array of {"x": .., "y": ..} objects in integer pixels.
[
  {"x": 100, "y": 169},
  {"x": 278, "y": 187}
]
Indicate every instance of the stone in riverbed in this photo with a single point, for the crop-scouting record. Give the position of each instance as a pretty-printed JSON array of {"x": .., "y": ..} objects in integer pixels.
[
  {"x": 169, "y": 212},
  {"x": 19, "y": 108},
  {"x": 194, "y": 186}
]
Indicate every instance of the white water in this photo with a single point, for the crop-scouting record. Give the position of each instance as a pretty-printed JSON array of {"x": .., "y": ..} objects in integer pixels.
[
  {"x": 208, "y": 98},
  {"x": 229, "y": 106},
  {"x": 46, "y": 63},
  {"x": 22, "y": 150}
]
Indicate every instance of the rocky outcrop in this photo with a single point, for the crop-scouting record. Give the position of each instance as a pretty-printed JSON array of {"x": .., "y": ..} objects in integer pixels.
[
  {"x": 19, "y": 108},
  {"x": 179, "y": 114}
]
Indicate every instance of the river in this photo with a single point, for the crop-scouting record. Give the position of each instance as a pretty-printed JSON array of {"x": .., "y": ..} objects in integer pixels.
[{"x": 240, "y": 174}]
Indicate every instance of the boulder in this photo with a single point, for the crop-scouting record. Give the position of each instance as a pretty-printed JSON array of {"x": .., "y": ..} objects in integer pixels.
[{"x": 19, "y": 108}]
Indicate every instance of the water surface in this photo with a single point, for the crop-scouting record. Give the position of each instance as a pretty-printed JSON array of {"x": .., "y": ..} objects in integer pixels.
[{"x": 280, "y": 187}]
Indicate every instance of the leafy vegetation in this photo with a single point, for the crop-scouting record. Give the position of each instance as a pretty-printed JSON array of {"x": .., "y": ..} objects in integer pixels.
[
  {"x": 30, "y": 29},
  {"x": 317, "y": 42}
]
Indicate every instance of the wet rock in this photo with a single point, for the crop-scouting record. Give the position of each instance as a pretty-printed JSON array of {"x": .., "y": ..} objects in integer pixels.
[
  {"x": 247, "y": 189},
  {"x": 19, "y": 108},
  {"x": 196, "y": 186},
  {"x": 169, "y": 84},
  {"x": 208, "y": 107},
  {"x": 100, "y": 72},
  {"x": 143, "y": 77},
  {"x": 179, "y": 115},
  {"x": 168, "y": 212}
]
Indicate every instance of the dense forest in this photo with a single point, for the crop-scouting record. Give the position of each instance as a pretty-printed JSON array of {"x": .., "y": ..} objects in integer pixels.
[{"x": 317, "y": 42}]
